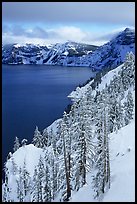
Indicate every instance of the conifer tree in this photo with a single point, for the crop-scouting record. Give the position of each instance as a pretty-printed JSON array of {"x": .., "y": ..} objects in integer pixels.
[
  {"x": 40, "y": 178},
  {"x": 7, "y": 188},
  {"x": 16, "y": 144},
  {"x": 37, "y": 139},
  {"x": 45, "y": 138},
  {"x": 128, "y": 107},
  {"x": 35, "y": 186},
  {"x": 20, "y": 187},
  {"x": 26, "y": 180}
]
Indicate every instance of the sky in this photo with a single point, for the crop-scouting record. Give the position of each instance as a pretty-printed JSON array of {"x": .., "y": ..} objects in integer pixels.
[{"x": 57, "y": 22}]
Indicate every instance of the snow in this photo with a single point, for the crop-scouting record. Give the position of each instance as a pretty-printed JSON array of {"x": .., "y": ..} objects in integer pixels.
[
  {"x": 54, "y": 126},
  {"x": 122, "y": 170},
  {"x": 122, "y": 157},
  {"x": 65, "y": 53},
  {"x": 80, "y": 92},
  {"x": 27, "y": 153},
  {"x": 106, "y": 79},
  {"x": 122, "y": 164},
  {"x": 110, "y": 54}
]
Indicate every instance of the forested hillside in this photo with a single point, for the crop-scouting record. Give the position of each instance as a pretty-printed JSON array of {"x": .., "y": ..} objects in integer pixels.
[{"x": 61, "y": 157}]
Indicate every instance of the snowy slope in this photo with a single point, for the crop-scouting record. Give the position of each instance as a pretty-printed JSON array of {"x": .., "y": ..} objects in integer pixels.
[
  {"x": 122, "y": 164},
  {"x": 122, "y": 161},
  {"x": 122, "y": 147},
  {"x": 27, "y": 154},
  {"x": 80, "y": 92},
  {"x": 23, "y": 154},
  {"x": 122, "y": 156}
]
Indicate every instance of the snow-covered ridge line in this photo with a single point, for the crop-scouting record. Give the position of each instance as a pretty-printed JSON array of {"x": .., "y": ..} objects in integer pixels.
[
  {"x": 81, "y": 91},
  {"x": 111, "y": 54}
]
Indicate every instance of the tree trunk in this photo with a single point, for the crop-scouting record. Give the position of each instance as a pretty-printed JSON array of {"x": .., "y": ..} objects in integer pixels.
[{"x": 66, "y": 172}]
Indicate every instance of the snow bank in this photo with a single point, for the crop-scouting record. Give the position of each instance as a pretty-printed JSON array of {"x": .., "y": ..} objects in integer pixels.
[
  {"x": 122, "y": 147},
  {"x": 30, "y": 154}
]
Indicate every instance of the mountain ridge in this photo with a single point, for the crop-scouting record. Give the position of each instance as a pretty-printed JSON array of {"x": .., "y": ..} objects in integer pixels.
[{"x": 111, "y": 54}]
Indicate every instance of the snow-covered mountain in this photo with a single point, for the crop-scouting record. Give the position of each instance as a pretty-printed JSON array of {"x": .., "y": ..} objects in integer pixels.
[
  {"x": 109, "y": 55},
  {"x": 69, "y": 159},
  {"x": 66, "y": 54},
  {"x": 22, "y": 54},
  {"x": 36, "y": 54},
  {"x": 112, "y": 53}
]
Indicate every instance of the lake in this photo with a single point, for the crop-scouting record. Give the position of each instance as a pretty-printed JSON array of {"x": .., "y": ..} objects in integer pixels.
[{"x": 35, "y": 95}]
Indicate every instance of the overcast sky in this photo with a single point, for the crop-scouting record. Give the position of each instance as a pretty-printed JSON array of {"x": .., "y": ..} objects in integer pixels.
[{"x": 51, "y": 22}]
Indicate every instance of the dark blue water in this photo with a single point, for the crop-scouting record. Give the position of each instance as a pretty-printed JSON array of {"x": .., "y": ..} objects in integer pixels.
[{"x": 34, "y": 95}]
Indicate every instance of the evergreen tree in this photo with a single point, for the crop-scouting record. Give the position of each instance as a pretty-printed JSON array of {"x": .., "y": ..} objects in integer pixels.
[
  {"x": 128, "y": 71},
  {"x": 16, "y": 144},
  {"x": 64, "y": 134},
  {"x": 35, "y": 186},
  {"x": 120, "y": 118},
  {"x": 128, "y": 107},
  {"x": 4, "y": 193},
  {"x": 47, "y": 181},
  {"x": 54, "y": 167},
  {"x": 45, "y": 138},
  {"x": 37, "y": 139},
  {"x": 7, "y": 188},
  {"x": 20, "y": 187},
  {"x": 102, "y": 178},
  {"x": 14, "y": 167},
  {"x": 40, "y": 178},
  {"x": 26, "y": 180}
]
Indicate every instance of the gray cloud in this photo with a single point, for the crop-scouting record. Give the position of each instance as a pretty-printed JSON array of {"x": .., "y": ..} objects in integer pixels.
[
  {"x": 35, "y": 32},
  {"x": 102, "y": 12}
]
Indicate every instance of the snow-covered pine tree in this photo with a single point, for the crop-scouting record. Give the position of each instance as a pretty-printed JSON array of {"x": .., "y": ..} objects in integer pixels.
[
  {"x": 4, "y": 193},
  {"x": 20, "y": 187},
  {"x": 128, "y": 71},
  {"x": 54, "y": 166},
  {"x": 35, "y": 186},
  {"x": 128, "y": 107},
  {"x": 40, "y": 178},
  {"x": 37, "y": 139},
  {"x": 102, "y": 178},
  {"x": 14, "y": 167},
  {"x": 26, "y": 181},
  {"x": 99, "y": 163},
  {"x": 81, "y": 117},
  {"x": 112, "y": 111},
  {"x": 16, "y": 144},
  {"x": 45, "y": 138},
  {"x": 120, "y": 117},
  {"x": 6, "y": 189},
  {"x": 66, "y": 188},
  {"x": 47, "y": 195},
  {"x": 82, "y": 140}
]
